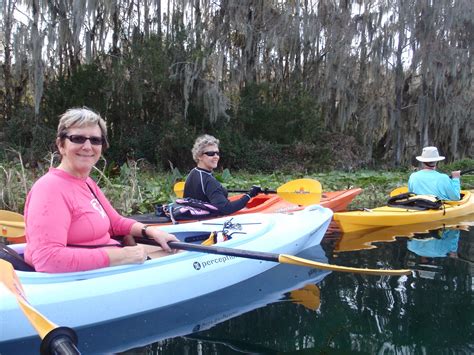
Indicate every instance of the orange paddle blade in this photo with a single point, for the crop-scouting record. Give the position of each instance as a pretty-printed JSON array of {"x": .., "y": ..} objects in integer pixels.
[{"x": 12, "y": 224}]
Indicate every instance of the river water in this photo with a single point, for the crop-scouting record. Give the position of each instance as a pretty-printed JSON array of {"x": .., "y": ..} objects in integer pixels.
[
  {"x": 429, "y": 312},
  {"x": 292, "y": 309}
]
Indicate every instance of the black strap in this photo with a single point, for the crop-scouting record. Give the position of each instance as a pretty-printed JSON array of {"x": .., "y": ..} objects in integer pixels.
[
  {"x": 93, "y": 246},
  {"x": 93, "y": 193},
  {"x": 101, "y": 205},
  {"x": 117, "y": 238}
]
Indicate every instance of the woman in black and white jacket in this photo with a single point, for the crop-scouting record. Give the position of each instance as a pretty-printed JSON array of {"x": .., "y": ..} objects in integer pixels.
[{"x": 202, "y": 185}]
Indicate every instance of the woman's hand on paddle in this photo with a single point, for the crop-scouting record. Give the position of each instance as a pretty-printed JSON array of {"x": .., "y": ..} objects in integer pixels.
[
  {"x": 162, "y": 238},
  {"x": 456, "y": 174}
]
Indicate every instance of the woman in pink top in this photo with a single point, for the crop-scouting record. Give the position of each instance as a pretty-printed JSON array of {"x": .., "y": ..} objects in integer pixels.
[{"x": 69, "y": 221}]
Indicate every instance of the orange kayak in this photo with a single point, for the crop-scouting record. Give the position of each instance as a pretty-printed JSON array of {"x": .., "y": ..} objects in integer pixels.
[
  {"x": 272, "y": 203},
  {"x": 335, "y": 200},
  {"x": 339, "y": 200}
]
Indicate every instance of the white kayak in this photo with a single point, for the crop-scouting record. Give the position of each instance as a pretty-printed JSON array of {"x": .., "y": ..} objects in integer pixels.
[{"x": 80, "y": 299}]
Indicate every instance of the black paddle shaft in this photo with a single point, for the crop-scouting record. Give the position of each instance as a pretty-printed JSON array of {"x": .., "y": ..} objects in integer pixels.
[
  {"x": 264, "y": 191},
  {"x": 61, "y": 341},
  {"x": 464, "y": 172},
  {"x": 240, "y": 253}
]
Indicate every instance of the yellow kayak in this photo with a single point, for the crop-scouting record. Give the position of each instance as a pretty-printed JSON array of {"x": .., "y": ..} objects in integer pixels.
[{"x": 386, "y": 216}]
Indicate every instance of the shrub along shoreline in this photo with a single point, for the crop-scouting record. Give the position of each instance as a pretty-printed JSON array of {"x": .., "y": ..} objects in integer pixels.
[{"x": 136, "y": 187}]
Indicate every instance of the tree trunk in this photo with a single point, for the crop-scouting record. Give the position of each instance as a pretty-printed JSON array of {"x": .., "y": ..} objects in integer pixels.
[{"x": 8, "y": 7}]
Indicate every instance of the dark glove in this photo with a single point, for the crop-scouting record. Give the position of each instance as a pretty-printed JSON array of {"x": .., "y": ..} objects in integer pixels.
[{"x": 254, "y": 191}]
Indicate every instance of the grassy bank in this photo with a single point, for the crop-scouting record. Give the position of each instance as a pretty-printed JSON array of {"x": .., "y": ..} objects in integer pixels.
[{"x": 135, "y": 187}]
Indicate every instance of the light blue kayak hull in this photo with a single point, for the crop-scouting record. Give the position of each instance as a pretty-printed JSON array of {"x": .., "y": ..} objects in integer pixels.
[
  {"x": 85, "y": 298},
  {"x": 199, "y": 314}
]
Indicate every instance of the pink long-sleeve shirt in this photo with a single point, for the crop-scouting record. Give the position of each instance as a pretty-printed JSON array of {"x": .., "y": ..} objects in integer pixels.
[{"x": 61, "y": 210}]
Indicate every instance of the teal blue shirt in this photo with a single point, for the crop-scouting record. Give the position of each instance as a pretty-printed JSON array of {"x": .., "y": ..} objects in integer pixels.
[{"x": 431, "y": 182}]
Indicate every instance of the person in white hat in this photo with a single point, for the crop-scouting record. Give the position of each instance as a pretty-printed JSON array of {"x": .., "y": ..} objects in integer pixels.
[{"x": 428, "y": 181}]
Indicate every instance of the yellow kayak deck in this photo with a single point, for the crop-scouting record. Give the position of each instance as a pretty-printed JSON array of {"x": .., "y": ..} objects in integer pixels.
[{"x": 393, "y": 216}]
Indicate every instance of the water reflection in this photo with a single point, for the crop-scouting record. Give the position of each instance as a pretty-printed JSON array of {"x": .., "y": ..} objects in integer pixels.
[
  {"x": 429, "y": 312},
  {"x": 358, "y": 313},
  {"x": 366, "y": 239},
  {"x": 440, "y": 243}
]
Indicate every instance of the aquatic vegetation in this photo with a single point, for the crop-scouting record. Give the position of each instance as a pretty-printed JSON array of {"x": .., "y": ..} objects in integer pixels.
[{"x": 136, "y": 186}]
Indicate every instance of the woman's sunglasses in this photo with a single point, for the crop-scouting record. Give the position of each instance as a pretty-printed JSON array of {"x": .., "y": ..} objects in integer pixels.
[
  {"x": 77, "y": 139},
  {"x": 211, "y": 154}
]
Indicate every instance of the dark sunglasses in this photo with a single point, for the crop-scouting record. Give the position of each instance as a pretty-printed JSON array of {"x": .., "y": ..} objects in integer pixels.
[
  {"x": 211, "y": 154},
  {"x": 77, "y": 139}
]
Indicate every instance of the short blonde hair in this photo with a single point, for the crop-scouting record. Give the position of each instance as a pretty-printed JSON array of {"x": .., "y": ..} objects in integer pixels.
[
  {"x": 81, "y": 117},
  {"x": 201, "y": 143}
]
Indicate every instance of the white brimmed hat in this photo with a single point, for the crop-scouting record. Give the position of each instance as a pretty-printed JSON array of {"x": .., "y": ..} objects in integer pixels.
[{"x": 429, "y": 154}]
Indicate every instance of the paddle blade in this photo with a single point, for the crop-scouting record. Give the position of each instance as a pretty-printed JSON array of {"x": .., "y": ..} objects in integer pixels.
[
  {"x": 308, "y": 296},
  {"x": 399, "y": 190},
  {"x": 56, "y": 340},
  {"x": 11, "y": 216},
  {"x": 303, "y": 192},
  {"x": 179, "y": 189},
  {"x": 12, "y": 224},
  {"x": 9, "y": 278},
  {"x": 12, "y": 229},
  {"x": 294, "y": 260}
]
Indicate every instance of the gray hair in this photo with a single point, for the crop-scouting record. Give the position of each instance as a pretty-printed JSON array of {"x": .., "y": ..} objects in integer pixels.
[
  {"x": 81, "y": 117},
  {"x": 201, "y": 143}
]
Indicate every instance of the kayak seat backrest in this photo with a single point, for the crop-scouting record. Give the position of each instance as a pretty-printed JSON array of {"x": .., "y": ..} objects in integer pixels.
[
  {"x": 10, "y": 255},
  {"x": 465, "y": 195},
  {"x": 415, "y": 202},
  {"x": 183, "y": 209},
  {"x": 150, "y": 218}
]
